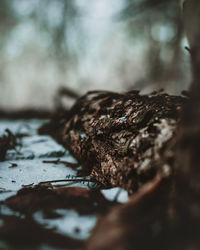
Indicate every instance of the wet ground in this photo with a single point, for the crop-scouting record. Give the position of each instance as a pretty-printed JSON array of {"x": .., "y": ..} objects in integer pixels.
[{"x": 62, "y": 214}]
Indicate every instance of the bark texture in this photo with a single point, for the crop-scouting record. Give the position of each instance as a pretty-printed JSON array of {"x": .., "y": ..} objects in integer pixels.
[
  {"x": 136, "y": 142},
  {"x": 163, "y": 214},
  {"x": 119, "y": 139}
]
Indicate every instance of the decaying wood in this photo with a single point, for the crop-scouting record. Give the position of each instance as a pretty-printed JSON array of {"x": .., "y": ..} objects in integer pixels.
[
  {"x": 164, "y": 214},
  {"x": 119, "y": 138}
]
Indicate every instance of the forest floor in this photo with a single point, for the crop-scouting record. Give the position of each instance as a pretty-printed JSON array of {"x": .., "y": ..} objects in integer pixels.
[{"x": 36, "y": 213}]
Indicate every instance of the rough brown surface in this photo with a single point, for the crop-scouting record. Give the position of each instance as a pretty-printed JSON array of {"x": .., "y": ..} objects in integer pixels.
[
  {"x": 119, "y": 138},
  {"x": 135, "y": 142},
  {"x": 164, "y": 214}
]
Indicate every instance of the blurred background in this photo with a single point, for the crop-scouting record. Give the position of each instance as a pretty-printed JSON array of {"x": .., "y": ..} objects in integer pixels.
[{"x": 84, "y": 45}]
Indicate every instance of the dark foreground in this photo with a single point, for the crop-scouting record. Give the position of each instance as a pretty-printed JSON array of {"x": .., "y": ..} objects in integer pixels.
[{"x": 146, "y": 145}]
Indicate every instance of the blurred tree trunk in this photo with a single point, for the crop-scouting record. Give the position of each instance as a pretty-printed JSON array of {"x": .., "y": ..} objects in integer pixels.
[{"x": 191, "y": 19}]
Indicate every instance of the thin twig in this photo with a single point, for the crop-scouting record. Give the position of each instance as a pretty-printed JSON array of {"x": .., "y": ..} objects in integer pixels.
[
  {"x": 65, "y": 180},
  {"x": 58, "y": 161}
]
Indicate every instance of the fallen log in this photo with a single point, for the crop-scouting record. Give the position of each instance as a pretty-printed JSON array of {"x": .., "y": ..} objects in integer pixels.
[
  {"x": 120, "y": 139},
  {"x": 164, "y": 213}
]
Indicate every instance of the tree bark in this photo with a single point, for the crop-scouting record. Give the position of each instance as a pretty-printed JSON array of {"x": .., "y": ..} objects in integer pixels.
[{"x": 119, "y": 139}]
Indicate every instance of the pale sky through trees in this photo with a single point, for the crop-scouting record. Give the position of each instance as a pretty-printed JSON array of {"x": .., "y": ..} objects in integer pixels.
[{"x": 88, "y": 47}]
